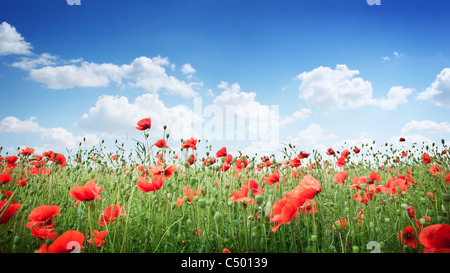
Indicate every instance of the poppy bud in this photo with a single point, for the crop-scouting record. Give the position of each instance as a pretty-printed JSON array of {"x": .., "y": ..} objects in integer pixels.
[
  {"x": 259, "y": 199},
  {"x": 446, "y": 197},
  {"x": 230, "y": 203},
  {"x": 17, "y": 240},
  {"x": 387, "y": 220},
  {"x": 363, "y": 186},
  {"x": 378, "y": 209},
  {"x": 314, "y": 238},
  {"x": 196, "y": 198},
  {"x": 202, "y": 203},
  {"x": 338, "y": 226},
  {"x": 193, "y": 180},
  {"x": 217, "y": 216},
  {"x": 355, "y": 249},
  {"x": 185, "y": 198},
  {"x": 404, "y": 206}
]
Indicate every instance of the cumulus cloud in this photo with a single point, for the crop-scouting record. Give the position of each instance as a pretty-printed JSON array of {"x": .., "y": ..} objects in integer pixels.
[
  {"x": 312, "y": 135},
  {"x": 115, "y": 116},
  {"x": 28, "y": 63},
  {"x": 52, "y": 138},
  {"x": 12, "y": 42},
  {"x": 439, "y": 91},
  {"x": 254, "y": 121},
  {"x": 301, "y": 114},
  {"x": 426, "y": 126},
  {"x": 330, "y": 89},
  {"x": 14, "y": 125},
  {"x": 187, "y": 69},
  {"x": 147, "y": 73}
]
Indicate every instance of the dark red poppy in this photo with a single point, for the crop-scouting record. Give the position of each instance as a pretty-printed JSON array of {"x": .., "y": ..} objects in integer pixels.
[
  {"x": 11, "y": 161},
  {"x": 406, "y": 237},
  {"x": 345, "y": 153},
  {"x": 356, "y": 150},
  {"x": 330, "y": 151},
  {"x": 144, "y": 124},
  {"x": 436, "y": 238},
  {"x": 303, "y": 155},
  {"x": 402, "y": 139}
]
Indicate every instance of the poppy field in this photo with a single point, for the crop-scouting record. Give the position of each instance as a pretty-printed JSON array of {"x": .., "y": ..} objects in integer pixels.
[{"x": 162, "y": 199}]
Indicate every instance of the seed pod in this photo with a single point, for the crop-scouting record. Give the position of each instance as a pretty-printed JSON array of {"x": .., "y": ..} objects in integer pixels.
[{"x": 217, "y": 216}]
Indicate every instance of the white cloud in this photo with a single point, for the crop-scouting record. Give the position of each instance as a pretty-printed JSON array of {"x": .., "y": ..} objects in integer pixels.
[
  {"x": 115, "y": 116},
  {"x": 439, "y": 91},
  {"x": 144, "y": 72},
  {"x": 259, "y": 122},
  {"x": 312, "y": 135},
  {"x": 385, "y": 58},
  {"x": 12, "y": 42},
  {"x": 14, "y": 125},
  {"x": 52, "y": 138},
  {"x": 301, "y": 114},
  {"x": 426, "y": 126},
  {"x": 397, "y": 95},
  {"x": 27, "y": 63},
  {"x": 336, "y": 89},
  {"x": 187, "y": 69}
]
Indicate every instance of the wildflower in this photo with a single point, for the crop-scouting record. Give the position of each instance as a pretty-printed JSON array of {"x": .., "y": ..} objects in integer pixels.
[
  {"x": 340, "y": 177},
  {"x": 144, "y": 124},
  {"x": 190, "y": 143},
  {"x": 161, "y": 144},
  {"x": 110, "y": 214},
  {"x": 7, "y": 212},
  {"x": 98, "y": 238},
  {"x": 27, "y": 151},
  {"x": 406, "y": 237},
  {"x": 88, "y": 192},
  {"x": 68, "y": 241},
  {"x": 42, "y": 215},
  {"x": 44, "y": 232},
  {"x": 436, "y": 238},
  {"x": 221, "y": 152}
]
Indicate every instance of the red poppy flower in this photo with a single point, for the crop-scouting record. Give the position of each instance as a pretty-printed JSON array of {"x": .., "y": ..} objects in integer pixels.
[
  {"x": 402, "y": 139},
  {"x": 144, "y": 124},
  {"x": 189, "y": 193},
  {"x": 303, "y": 155},
  {"x": 239, "y": 165},
  {"x": 330, "y": 151},
  {"x": 5, "y": 178},
  {"x": 42, "y": 215},
  {"x": 411, "y": 212},
  {"x": 393, "y": 183},
  {"x": 11, "y": 161},
  {"x": 58, "y": 158},
  {"x": 113, "y": 157},
  {"x": 308, "y": 207},
  {"x": 161, "y": 144},
  {"x": 226, "y": 250},
  {"x": 69, "y": 241},
  {"x": 345, "y": 153},
  {"x": 7, "y": 212},
  {"x": 98, "y": 238},
  {"x": 295, "y": 162},
  {"x": 273, "y": 178},
  {"x": 190, "y": 143},
  {"x": 146, "y": 186},
  {"x": 340, "y": 162},
  {"x": 221, "y": 152},
  {"x": 22, "y": 182},
  {"x": 404, "y": 154},
  {"x": 27, "y": 151},
  {"x": 242, "y": 194},
  {"x": 110, "y": 214},
  {"x": 406, "y": 237},
  {"x": 88, "y": 192},
  {"x": 436, "y": 238},
  {"x": 159, "y": 170},
  {"x": 356, "y": 150},
  {"x": 447, "y": 178},
  {"x": 343, "y": 222},
  {"x": 44, "y": 232},
  {"x": 426, "y": 159},
  {"x": 340, "y": 177},
  {"x": 436, "y": 169}
]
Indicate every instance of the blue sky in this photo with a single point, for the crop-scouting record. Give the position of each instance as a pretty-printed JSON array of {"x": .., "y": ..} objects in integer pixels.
[{"x": 334, "y": 70}]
